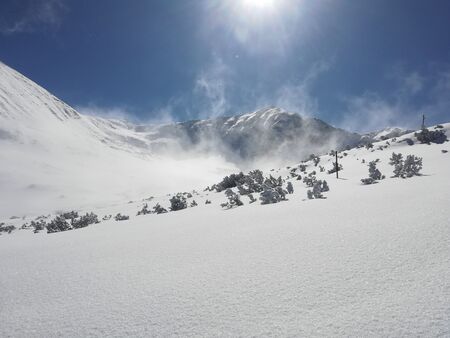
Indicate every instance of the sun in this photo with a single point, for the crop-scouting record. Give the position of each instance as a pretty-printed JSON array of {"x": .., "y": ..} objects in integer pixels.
[{"x": 259, "y": 4}]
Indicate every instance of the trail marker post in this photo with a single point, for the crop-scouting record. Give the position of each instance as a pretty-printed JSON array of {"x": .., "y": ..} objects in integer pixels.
[{"x": 337, "y": 165}]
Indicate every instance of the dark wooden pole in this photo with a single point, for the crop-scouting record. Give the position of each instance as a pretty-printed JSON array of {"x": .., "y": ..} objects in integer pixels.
[
  {"x": 337, "y": 165},
  {"x": 423, "y": 121}
]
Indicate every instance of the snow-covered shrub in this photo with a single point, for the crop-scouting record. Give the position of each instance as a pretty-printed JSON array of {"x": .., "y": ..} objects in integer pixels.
[
  {"x": 289, "y": 188},
  {"x": 433, "y": 136},
  {"x": 272, "y": 195},
  {"x": 409, "y": 167},
  {"x": 367, "y": 181},
  {"x": 444, "y": 151},
  {"x": 120, "y": 217},
  {"x": 193, "y": 204},
  {"x": 144, "y": 211},
  {"x": 70, "y": 215},
  {"x": 396, "y": 160},
  {"x": 158, "y": 209},
  {"x": 317, "y": 189},
  {"x": 309, "y": 180},
  {"x": 302, "y": 167},
  {"x": 246, "y": 184},
  {"x": 233, "y": 200},
  {"x": 252, "y": 199},
  {"x": 315, "y": 159},
  {"x": 374, "y": 173},
  {"x": 38, "y": 225},
  {"x": 6, "y": 228},
  {"x": 178, "y": 202},
  {"x": 273, "y": 182},
  {"x": 106, "y": 217},
  {"x": 84, "y": 221},
  {"x": 229, "y": 182},
  {"x": 333, "y": 170},
  {"x": 58, "y": 224},
  {"x": 412, "y": 166},
  {"x": 207, "y": 202},
  {"x": 250, "y": 185}
]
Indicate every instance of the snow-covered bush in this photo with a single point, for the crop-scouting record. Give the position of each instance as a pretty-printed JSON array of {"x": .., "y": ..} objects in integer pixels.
[
  {"x": 315, "y": 159},
  {"x": 70, "y": 215},
  {"x": 106, "y": 217},
  {"x": 289, "y": 188},
  {"x": 158, "y": 209},
  {"x": 233, "y": 200},
  {"x": 193, "y": 204},
  {"x": 84, "y": 221},
  {"x": 309, "y": 180},
  {"x": 433, "y": 136},
  {"x": 252, "y": 199},
  {"x": 302, "y": 167},
  {"x": 144, "y": 211},
  {"x": 120, "y": 217},
  {"x": 6, "y": 228},
  {"x": 333, "y": 170},
  {"x": 178, "y": 202},
  {"x": 317, "y": 189},
  {"x": 251, "y": 183},
  {"x": 246, "y": 184},
  {"x": 367, "y": 181},
  {"x": 273, "y": 182},
  {"x": 229, "y": 182},
  {"x": 396, "y": 160},
  {"x": 409, "y": 167},
  {"x": 38, "y": 225},
  {"x": 412, "y": 166},
  {"x": 58, "y": 224},
  {"x": 374, "y": 173},
  {"x": 272, "y": 195},
  {"x": 207, "y": 202}
]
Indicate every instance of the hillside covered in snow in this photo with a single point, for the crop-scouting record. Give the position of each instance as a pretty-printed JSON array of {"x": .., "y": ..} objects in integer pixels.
[
  {"x": 294, "y": 259},
  {"x": 114, "y": 229},
  {"x": 54, "y": 158}
]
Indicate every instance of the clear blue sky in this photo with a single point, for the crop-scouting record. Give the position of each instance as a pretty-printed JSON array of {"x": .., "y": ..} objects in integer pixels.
[{"x": 360, "y": 64}]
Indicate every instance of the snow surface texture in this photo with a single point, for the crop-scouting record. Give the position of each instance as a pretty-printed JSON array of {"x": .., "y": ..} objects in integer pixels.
[{"x": 366, "y": 261}]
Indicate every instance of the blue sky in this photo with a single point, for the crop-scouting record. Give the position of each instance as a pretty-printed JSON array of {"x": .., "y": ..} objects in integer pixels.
[{"x": 359, "y": 64}]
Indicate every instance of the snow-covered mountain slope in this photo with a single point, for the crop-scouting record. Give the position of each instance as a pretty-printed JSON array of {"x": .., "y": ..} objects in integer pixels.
[
  {"x": 247, "y": 137},
  {"x": 365, "y": 261},
  {"x": 53, "y": 156},
  {"x": 385, "y": 134}
]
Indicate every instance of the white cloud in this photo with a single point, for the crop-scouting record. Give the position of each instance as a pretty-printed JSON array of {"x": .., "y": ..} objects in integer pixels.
[
  {"x": 402, "y": 108},
  {"x": 211, "y": 89}
]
